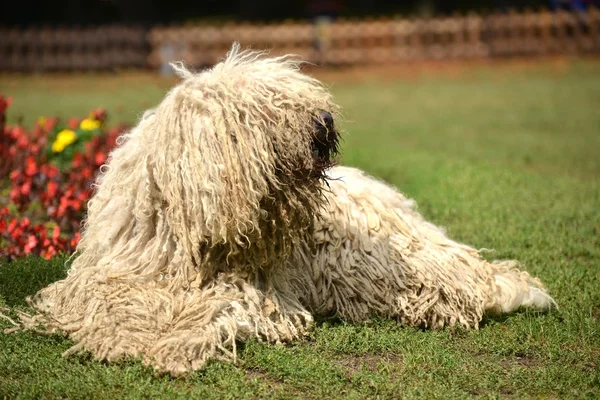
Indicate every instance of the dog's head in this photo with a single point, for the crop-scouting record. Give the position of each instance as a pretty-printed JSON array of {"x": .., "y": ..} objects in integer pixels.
[{"x": 238, "y": 153}]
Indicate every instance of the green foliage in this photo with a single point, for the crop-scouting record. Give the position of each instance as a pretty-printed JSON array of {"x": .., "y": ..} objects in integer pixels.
[
  {"x": 63, "y": 157},
  {"x": 504, "y": 160}
]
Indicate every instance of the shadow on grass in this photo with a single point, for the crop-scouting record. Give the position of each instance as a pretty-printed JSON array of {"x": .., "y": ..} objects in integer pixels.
[
  {"x": 492, "y": 319},
  {"x": 378, "y": 321},
  {"x": 24, "y": 277}
]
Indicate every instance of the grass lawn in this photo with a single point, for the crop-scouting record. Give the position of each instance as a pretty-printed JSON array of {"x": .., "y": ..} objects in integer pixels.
[{"x": 505, "y": 158}]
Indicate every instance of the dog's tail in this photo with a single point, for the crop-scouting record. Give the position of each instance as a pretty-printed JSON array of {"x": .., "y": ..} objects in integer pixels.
[{"x": 514, "y": 288}]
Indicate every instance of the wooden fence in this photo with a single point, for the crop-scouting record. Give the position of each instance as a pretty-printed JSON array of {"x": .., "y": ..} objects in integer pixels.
[
  {"x": 342, "y": 42},
  {"x": 377, "y": 41},
  {"x": 51, "y": 49}
]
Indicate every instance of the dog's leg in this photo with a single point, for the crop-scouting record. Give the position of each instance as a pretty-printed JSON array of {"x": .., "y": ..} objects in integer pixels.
[
  {"x": 174, "y": 329},
  {"x": 431, "y": 286},
  {"x": 212, "y": 319},
  {"x": 514, "y": 288},
  {"x": 375, "y": 254}
]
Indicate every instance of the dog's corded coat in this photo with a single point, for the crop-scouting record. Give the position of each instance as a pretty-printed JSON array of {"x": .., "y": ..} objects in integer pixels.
[{"x": 213, "y": 221}]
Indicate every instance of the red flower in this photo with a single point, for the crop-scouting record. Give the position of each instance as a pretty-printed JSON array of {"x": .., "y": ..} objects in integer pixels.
[
  {"x": 12, "y": 225},
  {"x": 31, "y": 167},
  {"x": 73, "y": 123},
  {"x": 75, "y": 240},
  {"x": 56, "y": 234},
  {"x": 43, "y": 191},
  {"x": 49, "y": 252},
  {"x": 18, "y": 131},
  {"x": 76, "y": 204},
  {"x": 86, "y": 173},
  {"x": 4, "y": 103},
  {"x": 52, "y": 189},
  {"x": 49, "y": 170},
  {"x": 40, "y": 230},
  {"x": 77, "y": 160},
  {"x": 15, "y": 195},
  {"x": 99, "y": 158},
  {"x": 31, "y": 244},
  {"x": 26, "y": 189},
  {"x": 50, "y": 123},
  {"x": 98, "y": 114},
  {"x": 22, "y": 142}
]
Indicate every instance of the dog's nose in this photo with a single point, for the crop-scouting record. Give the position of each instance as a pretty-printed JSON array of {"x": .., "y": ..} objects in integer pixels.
[{"x": 327, "y": 118}]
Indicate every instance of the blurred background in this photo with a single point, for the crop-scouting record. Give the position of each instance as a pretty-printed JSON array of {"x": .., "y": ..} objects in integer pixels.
[{"x": 146, "y": 34}]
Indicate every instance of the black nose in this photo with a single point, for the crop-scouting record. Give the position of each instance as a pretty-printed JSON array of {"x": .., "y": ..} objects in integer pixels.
[{"x": 327, "y": 118}]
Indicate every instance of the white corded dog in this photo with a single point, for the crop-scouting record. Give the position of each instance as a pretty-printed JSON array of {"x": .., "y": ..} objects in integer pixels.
[{"x": 219, "y": 218}]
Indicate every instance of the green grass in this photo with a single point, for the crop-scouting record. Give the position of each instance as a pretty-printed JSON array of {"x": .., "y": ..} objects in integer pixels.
[{"x": 506, "y": 159}]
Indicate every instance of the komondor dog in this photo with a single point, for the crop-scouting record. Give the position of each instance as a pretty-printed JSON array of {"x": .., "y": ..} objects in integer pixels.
[{"x": 220, "y": 218}]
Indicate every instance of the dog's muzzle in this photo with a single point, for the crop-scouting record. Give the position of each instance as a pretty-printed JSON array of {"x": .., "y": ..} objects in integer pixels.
[{"x": 325, "y": 142}]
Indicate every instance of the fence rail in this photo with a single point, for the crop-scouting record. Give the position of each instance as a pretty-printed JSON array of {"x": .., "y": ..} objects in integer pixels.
[
  {"x": 50, "y": 49},
  {"x": 342, "y": 42}
]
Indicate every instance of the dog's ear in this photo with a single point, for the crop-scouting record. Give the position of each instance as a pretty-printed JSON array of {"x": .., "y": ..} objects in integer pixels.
[
  {"x": 211, "y": 175},
  {"x": 180, "y": 181},
  {"x": 124, "y": 212}
]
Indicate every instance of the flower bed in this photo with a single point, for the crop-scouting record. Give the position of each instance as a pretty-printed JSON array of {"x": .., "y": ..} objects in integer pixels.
[{"x": 46, "y": 180}]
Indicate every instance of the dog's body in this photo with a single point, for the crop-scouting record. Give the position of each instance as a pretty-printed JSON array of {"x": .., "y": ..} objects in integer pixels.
[
  {"x": 219, "y": 219},
  {"x": 376, "y": 254}
]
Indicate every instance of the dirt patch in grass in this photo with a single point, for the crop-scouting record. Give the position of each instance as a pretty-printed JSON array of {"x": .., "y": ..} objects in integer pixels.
[
  {"x": 521, "y": 360},
  {"x": 596, "y": 313},
  {"x": 591, "y": 366},
  {"x": 352, "y": 364},
  {"x": 264, "y": 377}
]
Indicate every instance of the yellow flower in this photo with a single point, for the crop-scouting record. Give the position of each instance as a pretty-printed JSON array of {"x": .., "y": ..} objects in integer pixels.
[
  {"x": 63, "y": 139},
  {"x": 89, "y": 124}
]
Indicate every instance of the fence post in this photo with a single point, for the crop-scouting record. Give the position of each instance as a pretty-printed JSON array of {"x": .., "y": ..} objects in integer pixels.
[
  {"x": 420, "y": 30},
  {"x": 322, "y": 38},
  {"x": 580, "y": 39},
  {"x": 545, "y": 24},
  {"x": 594, "y": 26},
  {"x": 476, "y": 48},
  {"x": 528, "y": 40},
  {"x": 399, "y": 31}
]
